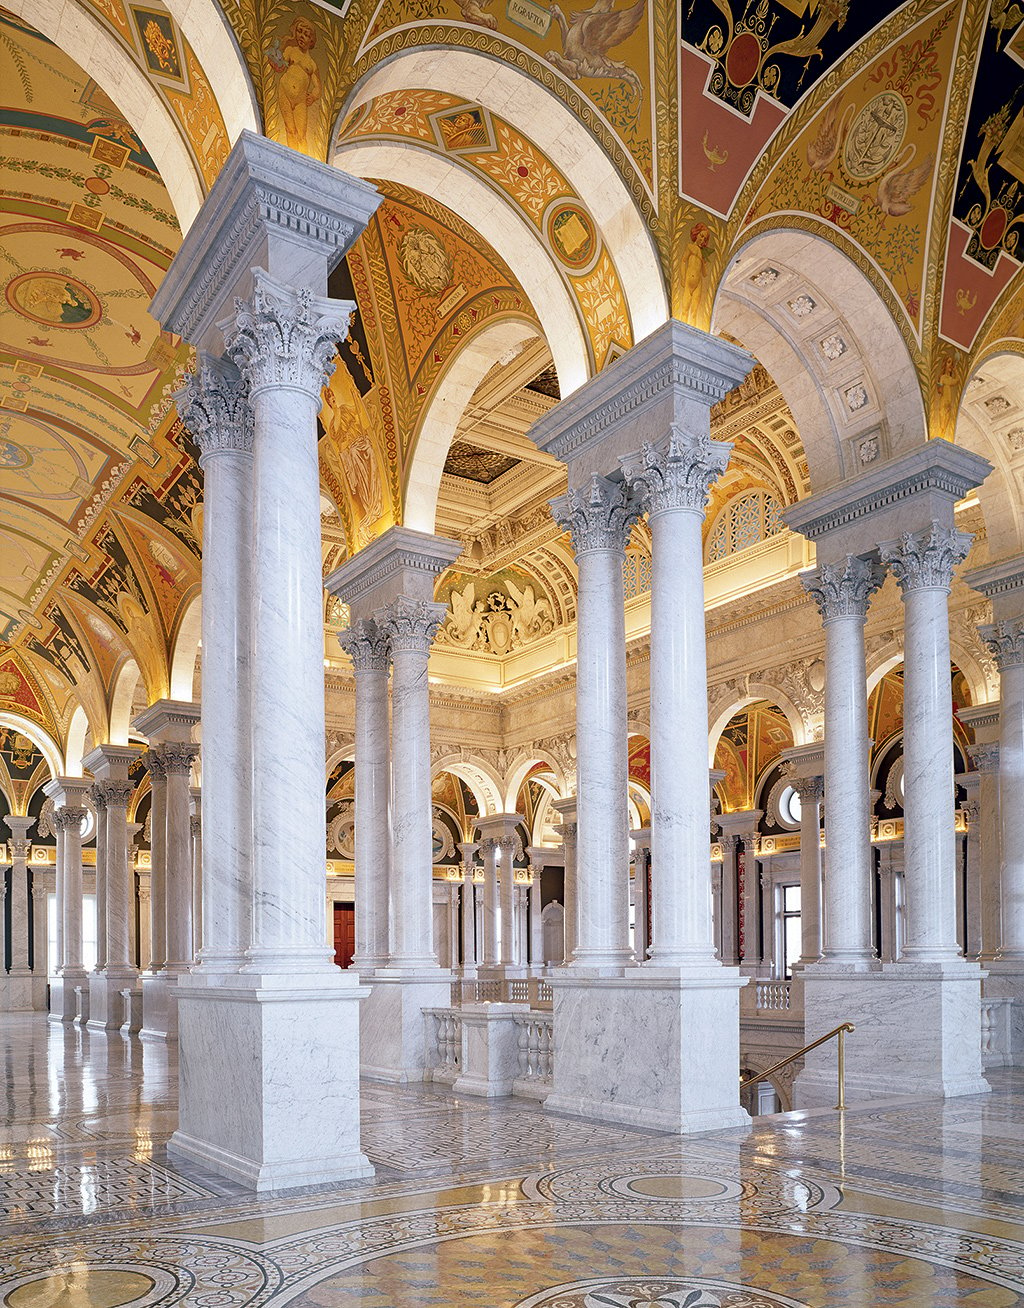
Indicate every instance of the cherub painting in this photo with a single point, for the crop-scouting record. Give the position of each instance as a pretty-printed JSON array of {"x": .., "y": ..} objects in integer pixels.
[{"x": 299, "y": 85}]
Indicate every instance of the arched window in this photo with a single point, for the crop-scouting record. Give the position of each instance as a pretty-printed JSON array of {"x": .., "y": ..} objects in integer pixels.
[{"x": 749, "y": 518}]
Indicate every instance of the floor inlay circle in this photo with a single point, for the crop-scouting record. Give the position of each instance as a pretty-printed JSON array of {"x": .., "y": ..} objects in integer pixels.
[
  {"x": 651, "y": 1292},
  {"x": 99, "y": 1287},
  {"x": 678, "y": 1186}
]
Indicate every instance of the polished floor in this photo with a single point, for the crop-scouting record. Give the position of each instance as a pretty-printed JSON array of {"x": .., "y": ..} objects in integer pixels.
[{"x": 499, "y": 1205}]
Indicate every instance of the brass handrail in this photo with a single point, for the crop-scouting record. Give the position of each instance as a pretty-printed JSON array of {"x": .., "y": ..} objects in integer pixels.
[{"x": 839, "y": 1031}]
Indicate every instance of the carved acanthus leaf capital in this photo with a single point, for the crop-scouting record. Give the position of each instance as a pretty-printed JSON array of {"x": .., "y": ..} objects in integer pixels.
[
  {"x": 118, "y": 793},
  {"x": 811, "y": 790},
  {"x": 214, "y": 406},
  {"x": 286, "y": 337},
  {"x": 677, "y": 473},
  {"x": 98, "y": 794},
  {"x": 152, "y": 761},
  {"x": 598, "y": 516},
  {"x": 843, "y": 590},
  {"x": 410, "y": 625},
  {"x": 925, "y": 559},
  {"x": 20, "y": 848},
  {"x": 1005, "y": 641},
  {"x": 367, "y": 646},
  {"x": 70, "y": 818},
  {"x": 177, "y": 757},
  {"x": 490, "y": 845}
]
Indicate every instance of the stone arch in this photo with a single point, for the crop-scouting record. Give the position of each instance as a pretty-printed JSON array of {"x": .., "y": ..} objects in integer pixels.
[
  {"x": 520, "y": 769},
  {"x": 77, "y": 734},
  {"x": 343, "y": 754},
  {"x": 187, "y": 643},
  {"x": 39, "y": 737},
  {"x": 816, "y": 323},
  {"x": 990, "y": 422},
  {"x": 482, "y": 780},
  {"x": 453, "y": 392},
  {"x": 125, "y": 684},
  {"x": 756, "y": 690},
  {"x": 544, "y": 119}
]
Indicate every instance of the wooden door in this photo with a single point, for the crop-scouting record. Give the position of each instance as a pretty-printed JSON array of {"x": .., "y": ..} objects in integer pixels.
[{"x": 344, "y": 934}]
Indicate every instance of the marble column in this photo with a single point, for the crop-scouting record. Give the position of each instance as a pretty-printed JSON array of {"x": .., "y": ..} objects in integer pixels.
[
  {"x": 566, "y": 808},
  {"x": 842, "y": 592},
  {"x": 41, "y": 962},
  {"x": 985, "y": 757},
  {"x": 214, "y": 406},
  {"x": 641, "y": 892},
  {"x": 810, "y": 791},
  {"x": 923, "y": 564},
  {"x": 1005, "y": 639},
  {"x": 195, "y": 810},
  {"x": 743, "y": 825},
  {"x": 177, "y": 758},
  {"x": 153, "y": 764},
  {"x": 536, "y": 925},
  {"x": 454, "y": 956},
  {"x": 410, "y": 627},
  {"x": 490, "y": 848},
  {"x": 467, "y": 852},
  {"x": 507, "y": 892},
  {"x": 599, "y": 517},
  {"x": 728, "y": 900},
  {"x": 18, "y": 983},
  {"x": 72, "y": 998},
  {"x": 145, "y": 949},
  {"x": 98, "y": 796},
  {"x": 673, "y": 479},
  {"x": 368, "y": 648},
  {"x": 283, "y": 342}
]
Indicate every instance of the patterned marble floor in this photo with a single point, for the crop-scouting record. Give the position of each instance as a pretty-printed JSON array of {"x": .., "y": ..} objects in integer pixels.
[{"x": 497, "y": 1205}]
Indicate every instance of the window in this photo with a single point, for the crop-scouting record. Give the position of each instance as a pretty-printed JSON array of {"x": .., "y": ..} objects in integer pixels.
[
  {"x": 791, "y": 933},
  {"x": 790, "y": 808},
  {"x": 744, "y": 521}
]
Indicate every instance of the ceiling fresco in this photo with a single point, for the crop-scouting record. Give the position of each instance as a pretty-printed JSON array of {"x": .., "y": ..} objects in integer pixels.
[{"x": 749, "y": 746}]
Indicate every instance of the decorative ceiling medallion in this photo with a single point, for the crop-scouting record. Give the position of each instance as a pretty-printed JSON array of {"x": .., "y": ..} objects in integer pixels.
[
  {"x": 54, "y": 300},
  {"x": 13, "y": 457},
  {"x": 425, "y": 261},
  {"x": 466, "y": 129},
  {"x": 875, "y": 136},
  {"x": 572, "y": 235}
]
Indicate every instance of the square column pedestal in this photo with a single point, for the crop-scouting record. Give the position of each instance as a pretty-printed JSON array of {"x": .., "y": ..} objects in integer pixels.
[
  {"x": 392, "y": 1028},
  {"x": 17, "y": 993},
  {"x": 657, "y": 1048},
  {"x": 490, "y": 1050},
  {"x": 107, "y": 1007},
  {"x": 69, "y": 997},
  {"x": 251, "y": 1048},
  {"x": 159, "y": 1005},
  {"x": 918, "y": 1032}
]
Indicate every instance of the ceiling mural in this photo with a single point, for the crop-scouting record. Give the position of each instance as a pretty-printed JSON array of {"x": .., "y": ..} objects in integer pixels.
[
  {"x": 750, "y": 744},
  {"x": 491, "y": 148},
  {"x": 22, "y": 769}
]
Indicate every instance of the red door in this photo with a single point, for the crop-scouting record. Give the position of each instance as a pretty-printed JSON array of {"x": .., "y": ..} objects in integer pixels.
[{"x": 344, "y": 934}]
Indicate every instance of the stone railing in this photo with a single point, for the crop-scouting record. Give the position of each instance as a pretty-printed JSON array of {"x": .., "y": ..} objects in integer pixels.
[
  {"x": 995, "y": 1032},
  {"x": 773, "y": 996},
  {"x": 533, "y": 990},
  {"x": 444, "y": 1043},
  {"x": 536, "y": 1054}
]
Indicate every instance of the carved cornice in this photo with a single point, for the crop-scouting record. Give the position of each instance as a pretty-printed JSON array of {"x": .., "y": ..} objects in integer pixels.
[
  {"x": 935, "y": 466},
  {"x": 214, "y": 406},
  {"x": 925, "y": 559},
  {"x": 399, "y": 550},
  {"x": 843, "y": 590},
  {"x": 677, "y": 473},
  {"x": 1002, "y": 578},
  {"x": 264, "y": 193}
]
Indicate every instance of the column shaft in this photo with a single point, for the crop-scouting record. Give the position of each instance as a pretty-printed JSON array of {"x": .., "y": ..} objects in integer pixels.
[
  {"x": 507, "y": 892},
  {"x": 1006, "y": 640},
  {"x": 20, "y": 849},
  {"x": 120, "y": 905},
  {"x": 491, "y": 852},
  {"x": 72, "y": 819},
  {"x": 810, "y": 790},
  {"x": 99, "y": 800},
  {"x": 157, "y": 861},
  {"x": 469, "y": 952},
  {"x": 177, "y": 760}
]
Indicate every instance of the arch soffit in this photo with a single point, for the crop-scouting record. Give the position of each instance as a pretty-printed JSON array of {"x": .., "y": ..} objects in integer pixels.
[
  {"x": 500, "y": 223},
  {"x": 78, "y": 730},
  {"x": 42, "y": 740},
  {"x": 853, "y": 390},
  {"x": 205, "y": 28},
  {"x": 186, "y": 649},
  {"x": 758, "y": 691},
  {"x": 75, "y": 29},
  {"x": 518, "y": 772},
  {"x": 542, "y": 118},
  {"x": 482, "y": 781},
  {"x": 990, "y": 422},
  {"x": 126, "y": 683},
  {"x": 455, "y": 387}
]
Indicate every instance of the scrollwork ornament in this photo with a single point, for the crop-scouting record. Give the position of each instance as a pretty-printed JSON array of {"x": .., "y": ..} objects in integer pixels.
[
  {"x": 286, "y": 337},
  {"x": 215, "y": 408},
  {"x": 677, "y": 473},
  {"x": 598, "y": 516},
  {"x": 410, "y": 625},
  {"x": 843, "y": 590},
  {"x": 1005, "y": 641},
  {"x": 925, "y": 559},
  {"x": 367, "y": 646}
]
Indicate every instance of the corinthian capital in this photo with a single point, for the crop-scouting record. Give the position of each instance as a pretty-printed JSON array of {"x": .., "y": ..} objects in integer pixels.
[
  {"x": 410, "y": 624},
  {"x": 69, "y": 818},
  {"x": 177, "y": 757},
  {"x": 1005, "y": 641},
  {"x": 677, "y": 472},
  {"x": 842, "y": 590},
  {"x": 598, "y": 516},
  {"x": 367, "y": 646},
  {"x": 214, "y": 405},
  {"x": 285, "y": 337},
  {"x": 925, "y": 559}
]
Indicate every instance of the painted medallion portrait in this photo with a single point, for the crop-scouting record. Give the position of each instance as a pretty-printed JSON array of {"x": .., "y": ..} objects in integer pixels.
[{"x": 53, "y": 300}]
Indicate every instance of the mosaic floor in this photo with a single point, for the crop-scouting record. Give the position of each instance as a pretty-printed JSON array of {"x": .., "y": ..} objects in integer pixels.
[{"x": 496, "y": 1205}]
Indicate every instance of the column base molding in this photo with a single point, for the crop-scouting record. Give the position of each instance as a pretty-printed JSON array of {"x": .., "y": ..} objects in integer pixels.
[
  {"x": 106, "y": 1000},
  {"x": 269, "y": 1080},
  {"x": 159, "y": 1005},
  {"x": 69, "y": 997},
  {"x": 17, "y": 992},
  {"x": 392, "y": 1029},
  {"x": 655, "y": 1047},
  {"x": 918, "y": 1032}
]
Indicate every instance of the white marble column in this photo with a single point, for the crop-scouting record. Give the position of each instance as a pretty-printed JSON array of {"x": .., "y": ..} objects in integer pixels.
[
  {"x": 454, "y": 958},
  {"x": 17, "y": 985},
  {"x": 810, "y": 791},
  {"x": 214, "y": 405},
  {"x": 673, "y": 479},
  {"x": 490, "y": 849},
  {"x": 195, "y": 810},
  {"x": 153, "y": 764},
  {"x": 368, "y": 648},
  {"x": 923, "y": 564},
  {"x": 842, "y": 592},
  {"x": 1006, "y": 641},
  {"x": 145, "y": 923},
  {"x": 467, "y": 852},
  {"x": 985, "y": 758},
  {"x": 283, "y": 341},
  {"x": 40, "y": 945},
  {"x": 507, "y": 893},
  {"x": 641, "y": 889},
  {"x": 599, "y": 517},
  {"x": 536, "y": 926},
  {"x": 99, "y": 802},
  {"x": 177, "y": 758},
  {"x": 566, "y": 808},
  {"x": 410, "y": 626},
  {"x": 70, "y": 818}
]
